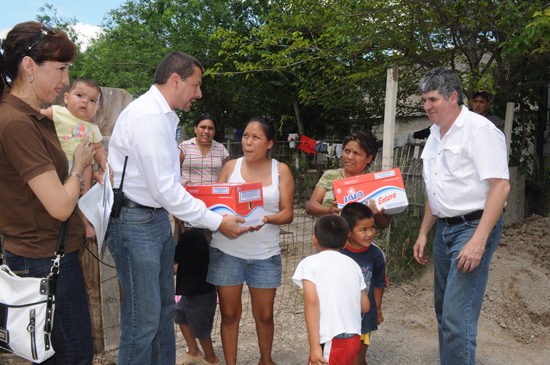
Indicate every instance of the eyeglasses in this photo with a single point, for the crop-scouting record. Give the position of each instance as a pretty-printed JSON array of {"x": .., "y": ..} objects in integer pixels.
[{"x": 46, "y": 29}]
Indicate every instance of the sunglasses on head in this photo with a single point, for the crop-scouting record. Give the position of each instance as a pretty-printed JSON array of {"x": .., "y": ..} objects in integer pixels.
[{"x": 46, "y": 29}]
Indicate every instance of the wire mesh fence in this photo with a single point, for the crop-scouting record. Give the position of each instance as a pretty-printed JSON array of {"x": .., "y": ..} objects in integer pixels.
[
  {"x": 296, "y": 238},
  {"x": 396, "y": 241}
]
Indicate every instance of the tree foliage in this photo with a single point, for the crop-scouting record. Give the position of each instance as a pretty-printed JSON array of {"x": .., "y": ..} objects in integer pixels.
[
  {"x": 48, "y": 14},
  {"x": 539, "y": 30},
  {"x": 140, "y": 33},
  {"x": 324, "y": 62},
  {"x": 338, "y": 51}
]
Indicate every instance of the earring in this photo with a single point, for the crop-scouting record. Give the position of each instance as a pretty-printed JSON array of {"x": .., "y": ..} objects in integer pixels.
[{"x": 30, "y": 78}]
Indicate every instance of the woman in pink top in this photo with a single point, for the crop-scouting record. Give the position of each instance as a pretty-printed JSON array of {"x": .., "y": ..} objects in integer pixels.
[
  {"x": 201, "y": 157},
  {"x": 201, "y": 160}
]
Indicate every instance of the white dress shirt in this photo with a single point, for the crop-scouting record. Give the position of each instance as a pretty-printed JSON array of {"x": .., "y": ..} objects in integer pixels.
[
  {"x": 457, "y": 166},
  {"x": 146, "y": 132}
]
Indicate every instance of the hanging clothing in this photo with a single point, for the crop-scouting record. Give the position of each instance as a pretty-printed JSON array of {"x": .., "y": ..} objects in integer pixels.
[
  {"x": 307, "y": 144},
  {"x": 321, "y": 147},
  {"x": 292, "y": 137},
  {"x": 339, "y": 150}
]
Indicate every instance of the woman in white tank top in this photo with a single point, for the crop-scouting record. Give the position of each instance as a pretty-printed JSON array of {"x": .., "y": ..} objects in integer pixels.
[{"x": 253, "y": 257}]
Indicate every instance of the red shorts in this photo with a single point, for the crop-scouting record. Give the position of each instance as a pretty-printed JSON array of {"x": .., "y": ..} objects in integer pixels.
[{"x": 341, "y": 351}]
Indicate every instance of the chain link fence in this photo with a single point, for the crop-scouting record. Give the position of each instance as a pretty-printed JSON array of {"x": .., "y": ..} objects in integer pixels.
[{"x": 296, "y": 238}]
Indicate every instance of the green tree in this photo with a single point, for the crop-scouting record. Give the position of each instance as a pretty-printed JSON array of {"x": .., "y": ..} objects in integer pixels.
[
  {"x": 339, "y": 49},
  {"x": 539, "y": 30},
  {"x": 48, "y": 14},
  {"x": 139, "y": 33}
]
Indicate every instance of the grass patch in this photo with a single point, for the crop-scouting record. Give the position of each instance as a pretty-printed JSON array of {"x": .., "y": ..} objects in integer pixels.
[{"x": 400, "y": 263}]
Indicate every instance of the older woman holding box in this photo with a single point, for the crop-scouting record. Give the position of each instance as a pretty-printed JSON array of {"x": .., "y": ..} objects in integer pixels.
[{"x": 359, "y": 149}]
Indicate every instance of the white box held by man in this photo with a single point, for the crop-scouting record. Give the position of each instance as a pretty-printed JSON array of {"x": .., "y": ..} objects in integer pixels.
[{"x": 242, "y": 199}]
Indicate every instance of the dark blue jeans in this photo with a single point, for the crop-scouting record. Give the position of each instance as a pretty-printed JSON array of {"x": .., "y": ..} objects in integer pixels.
[
  {"x": 143, "y": 248},
  {"x": 72, "y": 329},
  {"x": 458, "y": 297}
]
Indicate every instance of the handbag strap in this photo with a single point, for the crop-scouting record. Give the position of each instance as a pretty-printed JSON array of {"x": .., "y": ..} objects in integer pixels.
[
  {"x": 62, "y": 241},
  {"x": 59, "y": 251}
]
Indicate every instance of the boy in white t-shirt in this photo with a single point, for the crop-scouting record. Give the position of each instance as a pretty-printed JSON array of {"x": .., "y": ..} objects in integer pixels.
[{"x": 333, "y": 295}]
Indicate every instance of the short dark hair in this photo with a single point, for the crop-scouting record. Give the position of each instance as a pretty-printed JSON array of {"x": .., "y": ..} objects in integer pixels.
[
  {"x": 443, "y": 80},
  {"x": 53, "y": 47},
  {"x": 366, "y": 141},
  {"x": 482, "y": 93},
  {"x": 176, "y": 62},
  {"x": 331, "y": 231},
  {"x": 354, "y": 212},
  {"x": 87, "y": 82},
  {"x": 206, "y": 116}
]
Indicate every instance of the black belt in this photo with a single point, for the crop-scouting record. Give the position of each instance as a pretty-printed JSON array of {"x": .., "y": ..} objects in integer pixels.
[
  {"x": 128, "y": 203},
  {"x": 464, "y": 218}
]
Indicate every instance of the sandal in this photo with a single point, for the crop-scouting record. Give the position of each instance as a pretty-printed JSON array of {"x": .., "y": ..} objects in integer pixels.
[{"x": 187, "y": 359}]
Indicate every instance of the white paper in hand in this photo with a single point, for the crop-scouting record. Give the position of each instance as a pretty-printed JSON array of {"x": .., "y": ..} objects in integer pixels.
[{"x": 96, "y": 205}]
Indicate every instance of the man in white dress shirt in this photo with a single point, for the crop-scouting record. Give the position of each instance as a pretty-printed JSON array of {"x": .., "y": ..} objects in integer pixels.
[
  {"x": 140, "y": 238},
  {"x": 465, "y": 167}
]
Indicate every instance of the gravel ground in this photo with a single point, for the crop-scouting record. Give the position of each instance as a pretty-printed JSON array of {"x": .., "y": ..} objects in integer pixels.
[{"x": 514, "y": 327}]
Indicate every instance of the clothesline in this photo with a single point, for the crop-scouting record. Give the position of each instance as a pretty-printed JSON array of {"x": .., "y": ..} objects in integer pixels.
[{"x": 311, "y": 146}]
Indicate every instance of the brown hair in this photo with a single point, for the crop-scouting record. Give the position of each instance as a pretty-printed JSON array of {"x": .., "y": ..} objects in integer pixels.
[{"x": 53, "y": 47}]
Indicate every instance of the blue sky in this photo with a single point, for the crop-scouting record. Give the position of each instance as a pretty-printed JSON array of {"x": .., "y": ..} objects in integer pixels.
[{"x": 88, "y": 12}]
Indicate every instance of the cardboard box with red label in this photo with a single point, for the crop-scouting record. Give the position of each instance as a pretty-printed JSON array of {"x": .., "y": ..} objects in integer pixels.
[
  {"x": 385, "y": 187},
  {"x": 242, "y": 199}
]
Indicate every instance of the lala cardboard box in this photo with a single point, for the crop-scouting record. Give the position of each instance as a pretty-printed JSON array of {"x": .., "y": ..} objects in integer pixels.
[
  {"x": 385, "y": 187},
  {"x": 242, "y": 199}
]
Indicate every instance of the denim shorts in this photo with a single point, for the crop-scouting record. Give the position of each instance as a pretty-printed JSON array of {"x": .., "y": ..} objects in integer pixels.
[
  {"x": 198, "y": 312},
  {"x": 227, "y": 270}
]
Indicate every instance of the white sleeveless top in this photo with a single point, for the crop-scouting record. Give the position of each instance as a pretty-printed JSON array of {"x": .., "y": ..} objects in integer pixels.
[{"x": 263, "y": 243}]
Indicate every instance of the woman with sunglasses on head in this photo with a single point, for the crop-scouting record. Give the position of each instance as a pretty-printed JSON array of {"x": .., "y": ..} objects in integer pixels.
[{"x": 37, "y": 192}]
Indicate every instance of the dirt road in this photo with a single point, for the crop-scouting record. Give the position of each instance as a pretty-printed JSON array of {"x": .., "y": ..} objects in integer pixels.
[{"x": 514, "y": 327}]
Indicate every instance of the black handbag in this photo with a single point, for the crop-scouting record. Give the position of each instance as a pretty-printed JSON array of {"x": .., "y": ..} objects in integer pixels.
[{"x": 27, "y": 307}]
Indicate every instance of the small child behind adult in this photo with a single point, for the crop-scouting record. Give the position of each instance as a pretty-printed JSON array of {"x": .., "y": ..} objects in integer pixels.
[
  {"x": 372, "y": 261},
  {"x": 72, "y": 124},
  {"x": 333, "y": 295},
  {"x": 196, "y": 308}
]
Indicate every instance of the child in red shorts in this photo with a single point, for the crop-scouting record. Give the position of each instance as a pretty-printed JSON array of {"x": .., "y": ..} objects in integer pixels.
[{"x": 333, "y": 295}]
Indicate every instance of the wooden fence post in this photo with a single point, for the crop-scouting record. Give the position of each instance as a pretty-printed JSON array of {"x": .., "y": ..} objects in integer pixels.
[
  {"x": 389, "y": 118},
  {"x": 508, "y": 122},
  {"x": 101, "y": 281}
]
